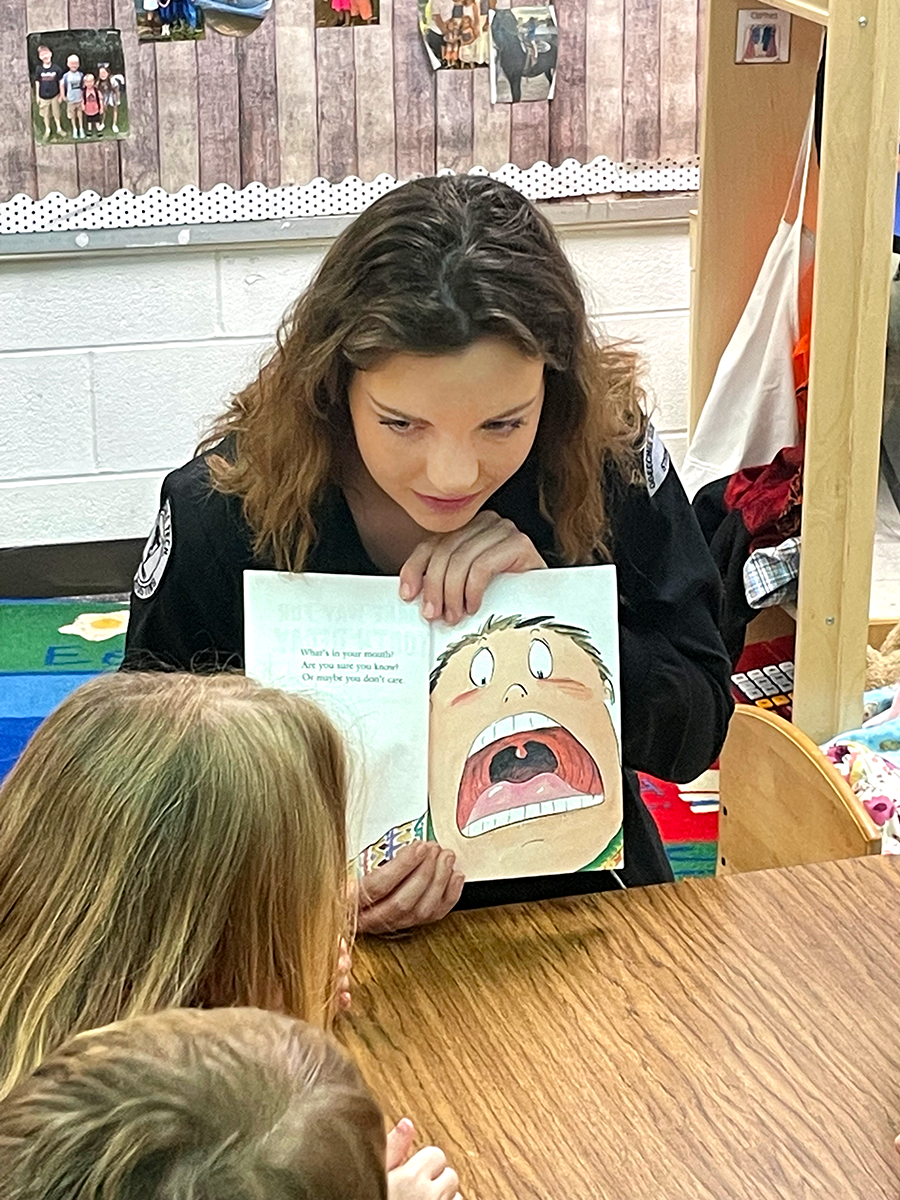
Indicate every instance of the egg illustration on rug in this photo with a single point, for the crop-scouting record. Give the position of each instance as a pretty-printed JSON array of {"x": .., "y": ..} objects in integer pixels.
[{"x": 98, "y": 627}]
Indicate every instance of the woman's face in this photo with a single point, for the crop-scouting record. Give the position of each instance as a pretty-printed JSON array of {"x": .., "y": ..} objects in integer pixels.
[{"x": 440, "y": 434}]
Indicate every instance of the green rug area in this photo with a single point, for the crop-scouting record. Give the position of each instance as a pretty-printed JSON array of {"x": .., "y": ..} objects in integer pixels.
[{"x": 31, "y": 641}]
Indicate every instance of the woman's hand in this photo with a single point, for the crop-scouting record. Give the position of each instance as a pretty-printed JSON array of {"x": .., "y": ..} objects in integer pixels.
[
  {"x": 418, "y": 886},
  {"x": 452, "y": 570},
  {"x": 424, "y": 1176}
]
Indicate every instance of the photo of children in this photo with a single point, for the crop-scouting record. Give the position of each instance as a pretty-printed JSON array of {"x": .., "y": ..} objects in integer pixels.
[
  {"x": 334, "y": 13},
  {"x": 456, "y": 34},
  {"x": 524, "y": 50},
  {"x": 78, "y": 85},
  {"x": 169, "y": 20}
]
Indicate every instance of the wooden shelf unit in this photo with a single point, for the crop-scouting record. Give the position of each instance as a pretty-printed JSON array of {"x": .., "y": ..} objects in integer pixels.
[{"x": 752, "y": 123}]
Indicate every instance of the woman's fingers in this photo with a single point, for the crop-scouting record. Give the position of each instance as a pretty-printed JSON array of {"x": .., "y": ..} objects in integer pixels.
[
  {"x": 403, "y": 907},
  {"x": 437, "y": 900},
  {"x": 382, "y": 881},
  {"x": 514, "y": 554},
  {"x": 449, "y": 569},
  {"x": 450, "y": 572}
]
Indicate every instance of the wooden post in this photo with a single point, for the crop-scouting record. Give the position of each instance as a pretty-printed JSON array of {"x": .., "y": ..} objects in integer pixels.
[{"x": 850, "y": 310}]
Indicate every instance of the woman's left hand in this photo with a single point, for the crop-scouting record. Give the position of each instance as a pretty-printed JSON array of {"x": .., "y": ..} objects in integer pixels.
[{"x": 451, "y": 570}]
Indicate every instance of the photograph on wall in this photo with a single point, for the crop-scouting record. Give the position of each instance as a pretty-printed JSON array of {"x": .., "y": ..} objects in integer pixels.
[
  {"x": 524, "y": 45},
  {"x": 169, "y": 20},
  {"x": 234, "y": 18},
  {"x": 77, "y": 80},
  {"x": 332, "y": 14},
  {"x": 763, "y": 35},
  {"x": 456, "y": 35}
]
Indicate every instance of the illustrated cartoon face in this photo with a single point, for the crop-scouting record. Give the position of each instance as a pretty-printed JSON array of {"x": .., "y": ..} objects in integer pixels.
[{"x": 524, "y": 775}]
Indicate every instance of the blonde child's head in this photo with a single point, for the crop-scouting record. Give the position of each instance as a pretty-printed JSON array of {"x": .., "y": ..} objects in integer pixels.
[
  {"x": 169, "y": 840},
  {"x": 224, "y": 1103}
]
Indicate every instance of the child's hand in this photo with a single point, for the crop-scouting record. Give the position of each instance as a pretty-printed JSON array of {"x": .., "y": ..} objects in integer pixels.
[
  {"x": 451, "y": 570},
  {"x": 418, "y": 886},
  {"x": 425, "y": 1176},
  {"x": 345, "y": 966}
]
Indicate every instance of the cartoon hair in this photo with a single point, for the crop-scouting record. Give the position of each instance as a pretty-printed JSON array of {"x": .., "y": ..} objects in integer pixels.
[
  {"x": 494, "y": 624},
  {"x": 169, "y": 840},
  {"x": 430, "y": 268},
  {"x": 223, "y": 1102}
]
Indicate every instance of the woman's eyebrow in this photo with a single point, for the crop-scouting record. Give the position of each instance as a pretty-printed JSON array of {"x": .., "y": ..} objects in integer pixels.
[{"x": 396, "y": 412}]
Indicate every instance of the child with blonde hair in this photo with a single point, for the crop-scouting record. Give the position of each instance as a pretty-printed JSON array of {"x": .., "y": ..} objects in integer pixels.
[
  {"x": 169, "y": 840},
  {"x": 226, "y": 1104}
]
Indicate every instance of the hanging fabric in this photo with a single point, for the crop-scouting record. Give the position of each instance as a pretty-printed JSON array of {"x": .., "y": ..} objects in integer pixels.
[{"x": 751, "y": 411}]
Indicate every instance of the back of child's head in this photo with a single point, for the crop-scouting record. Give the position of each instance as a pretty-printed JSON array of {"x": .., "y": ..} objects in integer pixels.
[
  {"x": 169, "y": 840},
  {"x": 221, "y": 1104}
]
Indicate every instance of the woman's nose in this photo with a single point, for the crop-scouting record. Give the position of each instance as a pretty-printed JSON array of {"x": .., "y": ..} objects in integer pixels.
[{"x": 453, "y": 470}]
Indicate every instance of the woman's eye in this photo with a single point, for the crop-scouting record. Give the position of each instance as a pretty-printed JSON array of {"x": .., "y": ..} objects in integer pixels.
[
  {"x": 540, "y": 660},
  {"x": 482, "y": 669},
  {"x": 503, "y": 426},
  {"x": 400, "y": 426}
]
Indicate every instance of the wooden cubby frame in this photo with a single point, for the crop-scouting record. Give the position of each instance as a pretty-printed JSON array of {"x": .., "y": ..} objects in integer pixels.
[{"x": 752, "y": 121}]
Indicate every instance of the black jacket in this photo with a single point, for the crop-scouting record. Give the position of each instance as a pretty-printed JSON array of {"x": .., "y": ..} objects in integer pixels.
[{"x": 675, "y": 688}]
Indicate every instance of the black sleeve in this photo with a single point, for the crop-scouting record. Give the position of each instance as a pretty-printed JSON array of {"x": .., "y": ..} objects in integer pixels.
[
  {"x": 675, "y": 673},
  {"x": 187, "y": 600}
]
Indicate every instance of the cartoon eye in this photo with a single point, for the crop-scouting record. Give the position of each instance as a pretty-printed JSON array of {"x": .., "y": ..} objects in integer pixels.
[
  {"x": 540, "y": 660},
  {"x": 481, "y": 672}
]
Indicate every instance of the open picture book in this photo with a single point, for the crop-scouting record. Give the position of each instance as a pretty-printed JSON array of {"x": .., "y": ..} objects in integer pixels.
[{"x": 497, "y": 737}]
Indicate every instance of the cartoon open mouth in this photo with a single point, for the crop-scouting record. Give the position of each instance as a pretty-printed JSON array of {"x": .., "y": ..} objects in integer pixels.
[{"x": 523, "y": 767}]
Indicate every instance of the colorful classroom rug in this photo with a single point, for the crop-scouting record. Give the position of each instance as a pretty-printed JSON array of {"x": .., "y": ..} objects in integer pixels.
[{"x": 49, "y": 647}]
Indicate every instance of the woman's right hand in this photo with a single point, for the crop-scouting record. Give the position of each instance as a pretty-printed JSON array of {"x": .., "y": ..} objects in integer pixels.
[
  {"x": 418, "y": 886},
  {"x": 424, "y": 1176}
]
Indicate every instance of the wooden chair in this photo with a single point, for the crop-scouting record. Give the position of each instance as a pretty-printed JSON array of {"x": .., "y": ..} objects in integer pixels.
[{"x": 782, "y": 802}]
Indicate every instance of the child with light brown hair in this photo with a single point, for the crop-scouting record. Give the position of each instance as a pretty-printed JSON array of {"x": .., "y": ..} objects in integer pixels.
[{"x": 224, "y": 1104}]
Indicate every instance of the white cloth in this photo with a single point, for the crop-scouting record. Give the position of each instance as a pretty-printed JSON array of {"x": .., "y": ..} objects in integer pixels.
[{"x": 751, "y": 411}]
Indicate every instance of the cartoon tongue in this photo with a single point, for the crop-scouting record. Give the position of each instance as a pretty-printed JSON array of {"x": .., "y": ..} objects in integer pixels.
[{"x": 500, "y": 796}]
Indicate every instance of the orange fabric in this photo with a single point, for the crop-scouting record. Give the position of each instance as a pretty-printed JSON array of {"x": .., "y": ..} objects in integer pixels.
[{"x": 801, "y": 347}]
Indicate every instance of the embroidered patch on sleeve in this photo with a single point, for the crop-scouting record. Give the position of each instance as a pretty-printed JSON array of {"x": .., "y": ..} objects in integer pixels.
[
  {"x": 656, "y": 461},
  {"x": 156, "y": 555}
]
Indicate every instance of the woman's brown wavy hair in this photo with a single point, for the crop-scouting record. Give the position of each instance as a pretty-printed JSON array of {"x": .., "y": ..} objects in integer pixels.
[{"x": 428, "y": 269}]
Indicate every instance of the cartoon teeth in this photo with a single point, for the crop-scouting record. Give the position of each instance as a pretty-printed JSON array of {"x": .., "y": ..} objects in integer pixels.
[
  {"x": 518, "y": 723},
  {"x": 526, "y": 812}
]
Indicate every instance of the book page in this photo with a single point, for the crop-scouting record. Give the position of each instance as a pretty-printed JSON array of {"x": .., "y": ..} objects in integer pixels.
[
  {"x": 349, "y": 643},
  {"x": 525, "y": 765}
]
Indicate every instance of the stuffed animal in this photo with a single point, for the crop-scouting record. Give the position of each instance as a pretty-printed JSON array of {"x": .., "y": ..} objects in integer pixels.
[{"x": 883, "y": 666}]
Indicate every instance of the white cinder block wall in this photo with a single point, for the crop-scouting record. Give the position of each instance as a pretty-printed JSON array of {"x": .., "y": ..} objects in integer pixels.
[{"x": 111, "y": 365}]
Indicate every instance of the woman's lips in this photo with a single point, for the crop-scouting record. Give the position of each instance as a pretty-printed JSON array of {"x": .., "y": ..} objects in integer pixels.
[{"x": 447, "y": 504}]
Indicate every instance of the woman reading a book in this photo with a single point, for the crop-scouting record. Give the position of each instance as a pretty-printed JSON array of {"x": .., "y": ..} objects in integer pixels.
[{"x": 438, "y": 408}]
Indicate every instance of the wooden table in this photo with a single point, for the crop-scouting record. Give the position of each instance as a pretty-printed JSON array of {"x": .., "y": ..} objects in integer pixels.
[{"x": 712, "y": 1040}]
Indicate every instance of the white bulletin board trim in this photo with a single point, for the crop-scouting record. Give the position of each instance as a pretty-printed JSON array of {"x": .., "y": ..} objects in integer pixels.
[{"x": 223, "y": 204}]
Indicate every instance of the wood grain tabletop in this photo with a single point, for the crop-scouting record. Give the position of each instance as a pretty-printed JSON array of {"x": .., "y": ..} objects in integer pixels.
[{"x": 716, "y": 1039}]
